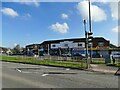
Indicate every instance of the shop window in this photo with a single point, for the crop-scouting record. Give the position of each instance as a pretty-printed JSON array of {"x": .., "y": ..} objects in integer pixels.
[
  {"x": 31, "y": 47},
  {"x": 101, "y": 44},
  {"x": 79, "y": 44},
  {"x": 53, "y": 45},
  {"x": 66, "y": 45}
]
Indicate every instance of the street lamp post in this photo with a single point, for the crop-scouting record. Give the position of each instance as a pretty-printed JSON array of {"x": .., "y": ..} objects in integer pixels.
[{"x": 86, "y": 44}]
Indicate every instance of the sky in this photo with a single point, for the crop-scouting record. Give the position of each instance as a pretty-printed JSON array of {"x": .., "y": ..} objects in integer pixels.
[{"x": 26, "y": 23}]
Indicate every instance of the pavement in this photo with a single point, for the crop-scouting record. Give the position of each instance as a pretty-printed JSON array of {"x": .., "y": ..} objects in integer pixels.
[{"x": 102, "y": 68}]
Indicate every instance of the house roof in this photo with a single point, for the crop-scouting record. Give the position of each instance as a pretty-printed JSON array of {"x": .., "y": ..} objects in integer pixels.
[
  {"x": 31, "y": 45},
  {"x": 62, "y": 40},
  {"x": 73, "y": 39},
  {"x": 112, "y": 46}
]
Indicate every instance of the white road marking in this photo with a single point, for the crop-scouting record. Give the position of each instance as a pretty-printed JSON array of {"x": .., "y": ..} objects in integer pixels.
[
  {"x": 44, "y": 75},
  {"x": 26, "y": 72},
  {"x": 67, "y": 69},
  {"x": 18, "y": 70},
  {"x": 22, "y": 64},
  {"x": 44, "y": 67}
]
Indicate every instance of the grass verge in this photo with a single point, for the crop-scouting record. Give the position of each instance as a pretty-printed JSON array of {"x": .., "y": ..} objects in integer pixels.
[
  {"x": 98, "y": 62},
  {"x": 116, "y": 65},
  {"x": 44, "y": 62}
]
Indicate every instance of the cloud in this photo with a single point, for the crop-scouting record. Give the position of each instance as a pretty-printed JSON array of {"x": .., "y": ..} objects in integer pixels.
[
  {"x": 26, "y": 16},
  {"x": 113, "y": 7},
  {"x": 30, "y": 2},
  {"x": 116, "y": 29},
  {"x": 103, "y": 1},
  {"x": 114, "y": 10},
  {"x": 15, "y": 44},
  {"x": 97, "y": 14},
  {"x": 9, "y": 12},
  {"x": 64, "y": 16},
  {"x": 61, "y": 28}
]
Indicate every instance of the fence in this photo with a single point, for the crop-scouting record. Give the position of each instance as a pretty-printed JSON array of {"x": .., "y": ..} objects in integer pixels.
[
  {"x": 98, "y": 59},
  {"x": 117, "y": 60},
  {"x": 60, "y": 58},
  {"x": 48, "y": 58}
]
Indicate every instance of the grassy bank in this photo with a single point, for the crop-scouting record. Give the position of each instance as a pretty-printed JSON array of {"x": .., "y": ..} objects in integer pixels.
[
  {"x": 44, "y": 62},
  {"x": 116, "y": 64},
  {"x": 98, "y": 62}
]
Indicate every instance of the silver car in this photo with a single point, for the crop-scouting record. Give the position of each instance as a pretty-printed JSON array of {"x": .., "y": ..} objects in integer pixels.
[{"x": 116, "y": 55}]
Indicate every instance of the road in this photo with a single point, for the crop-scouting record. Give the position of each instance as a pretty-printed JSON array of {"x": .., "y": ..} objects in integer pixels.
[{"x": 16, "y": 75}]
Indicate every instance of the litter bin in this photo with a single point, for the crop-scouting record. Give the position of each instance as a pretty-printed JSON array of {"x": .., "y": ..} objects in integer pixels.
[{"x": 107, "y": 59}]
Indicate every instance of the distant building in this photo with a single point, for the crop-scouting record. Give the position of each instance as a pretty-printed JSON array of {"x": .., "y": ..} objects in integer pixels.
[
  {"x": 70, "y": 46},
  {"x": 33, "y": 48},
  {"x": 4, "y": 50}
]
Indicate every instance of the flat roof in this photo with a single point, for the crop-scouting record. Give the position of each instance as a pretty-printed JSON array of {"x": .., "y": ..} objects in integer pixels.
[{"x": 72, "y": 39}]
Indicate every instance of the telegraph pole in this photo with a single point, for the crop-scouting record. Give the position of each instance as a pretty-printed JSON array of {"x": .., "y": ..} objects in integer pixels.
[
  {"x": 90, "y": 24},
  {"x": 90, "y": 28}
]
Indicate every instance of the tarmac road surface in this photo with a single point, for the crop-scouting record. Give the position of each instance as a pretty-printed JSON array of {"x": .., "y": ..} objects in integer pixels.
[{"x": 16, "y": 75}]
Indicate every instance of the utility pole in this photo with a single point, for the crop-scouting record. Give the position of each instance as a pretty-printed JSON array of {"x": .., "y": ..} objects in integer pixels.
[
  {"x": 90, "y": 24},
  {"x": 90, "y": 28}
]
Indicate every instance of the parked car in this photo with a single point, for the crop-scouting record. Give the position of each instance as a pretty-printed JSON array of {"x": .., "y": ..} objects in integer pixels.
[
  {"x": 66, "y": 55},
  {"x": 46, "y": 55},
  {"x": 78, "y": 56},
  {"x": 116, "y": 55},
  {"x": 96, "y": 55},
  {"x": 17, "y": 54}
]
